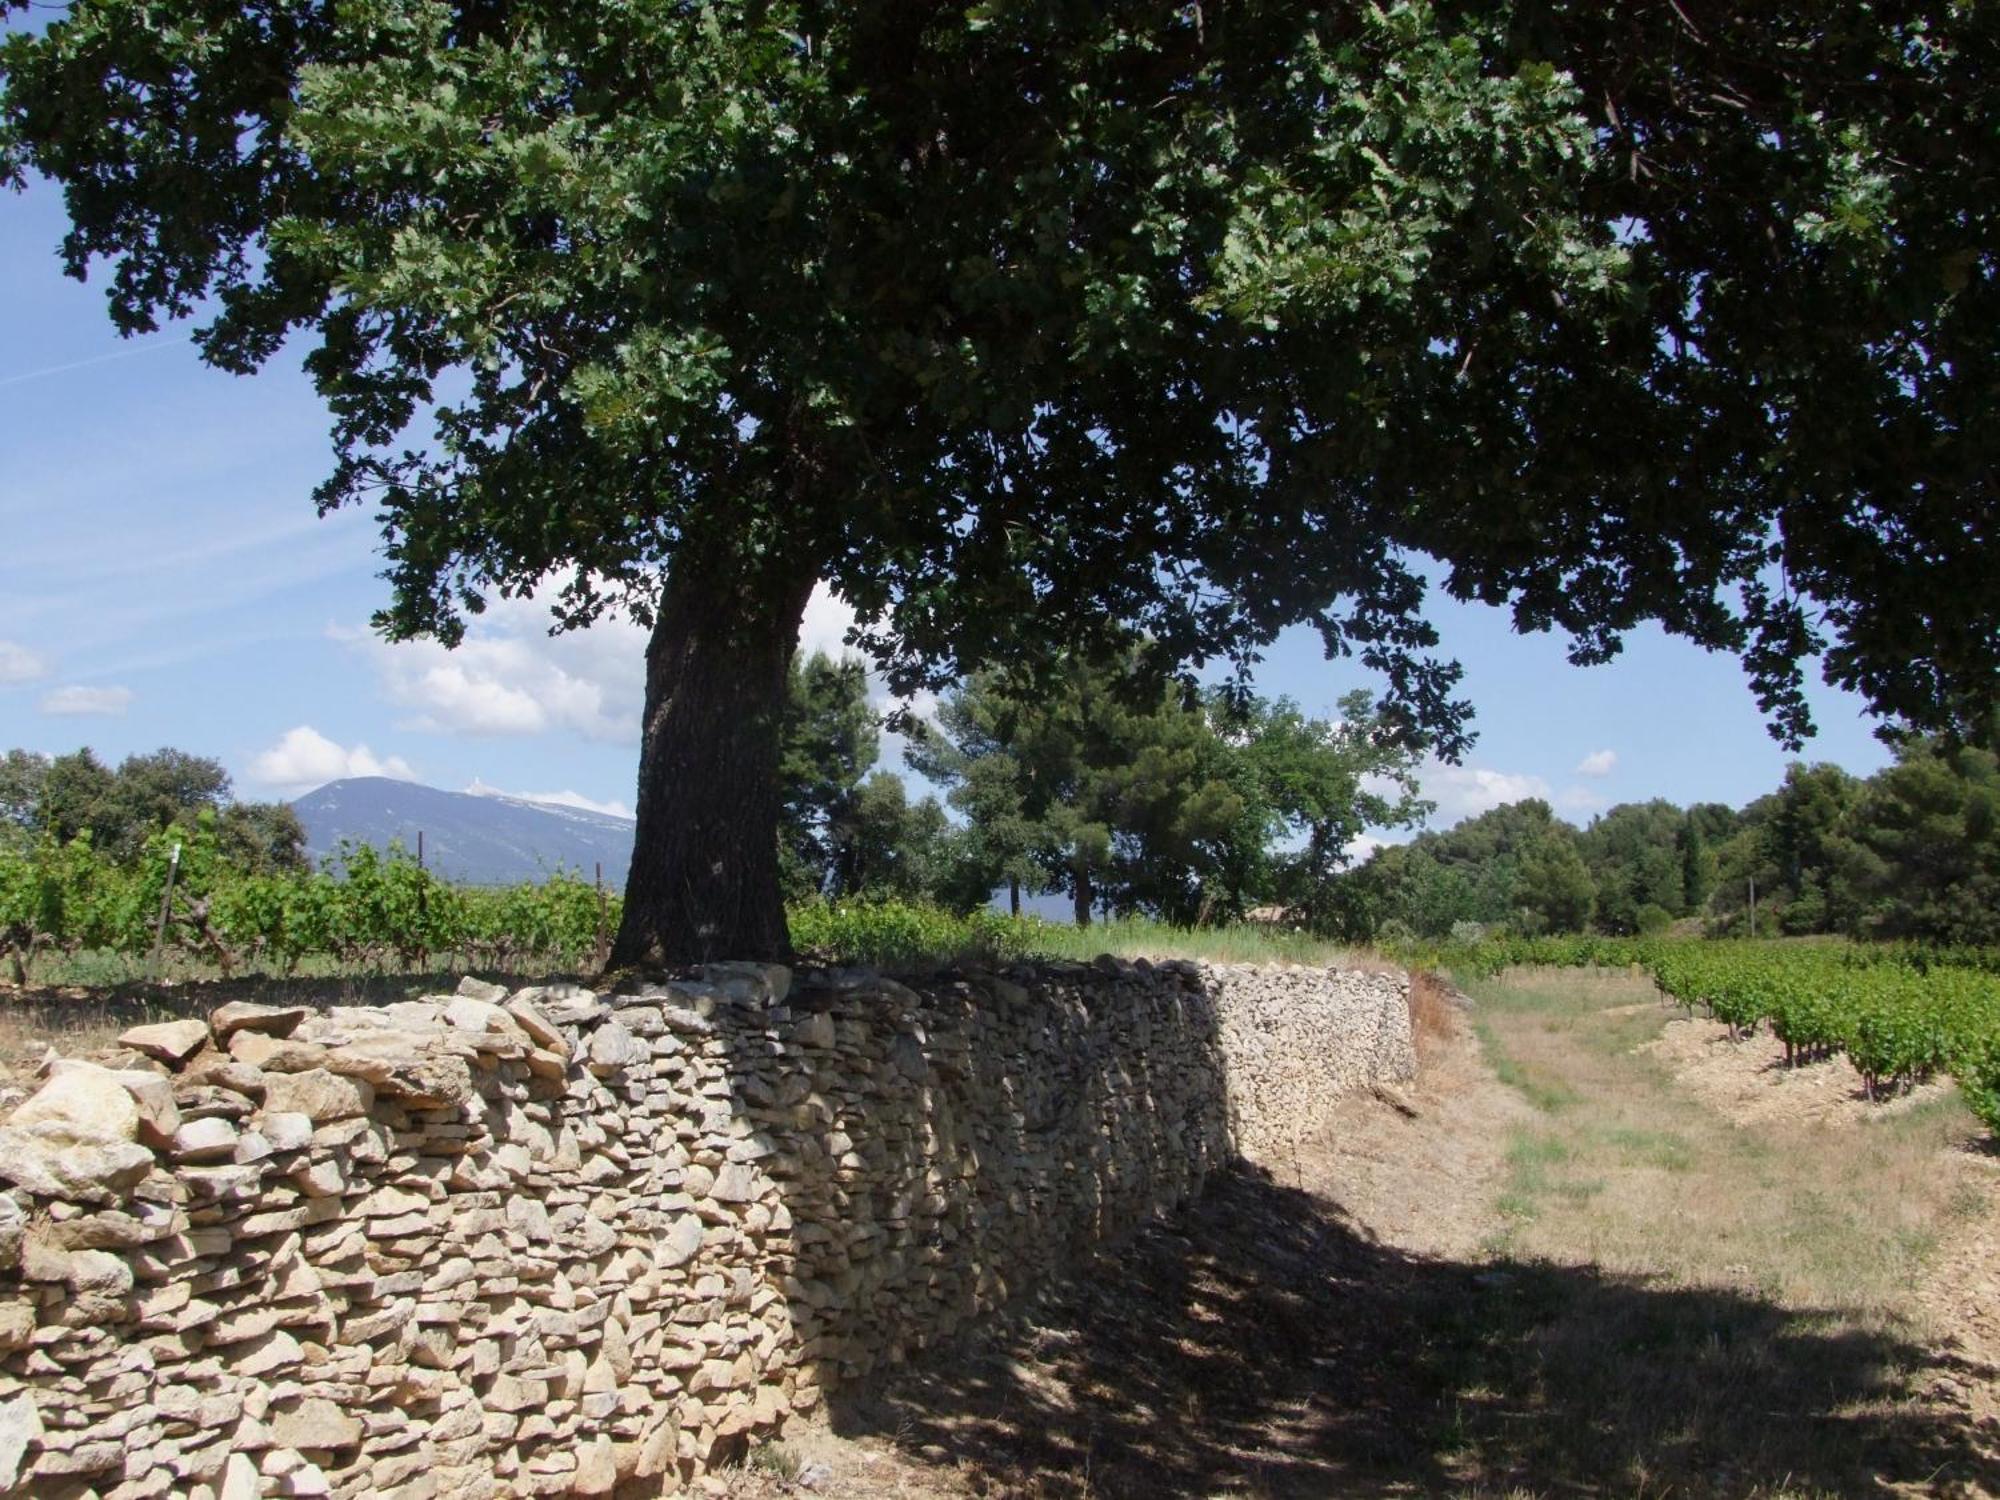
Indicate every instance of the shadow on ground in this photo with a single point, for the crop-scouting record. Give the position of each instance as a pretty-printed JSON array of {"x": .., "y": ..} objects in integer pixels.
[{"x": 1262, "y": 1345}]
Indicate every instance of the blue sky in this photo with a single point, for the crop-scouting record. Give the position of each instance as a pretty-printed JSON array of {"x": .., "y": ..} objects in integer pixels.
[{"x": 164, "y": 581}]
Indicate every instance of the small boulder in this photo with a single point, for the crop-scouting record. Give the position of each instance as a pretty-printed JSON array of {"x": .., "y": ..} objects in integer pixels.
[
  {"x": 81, "y": 1104},
  {"x": 172, "y": 1042},
  {"x": 205, "y": 1141},
  {"x": 242, "y": 1015},
  {"x": 315, "y": 1423},
  {"x": 682, "y": 1242},
  {"x": 276, "y": 1054},
  {"x": 531, "y": 1020},
  {"x": 153, "y": 1096},
  {"x": 480, "y": 989},
  {"x": 612, "y": 1048},
  {"x": 286, "y": 1130},
  {"x": 20, "y": 1425}
]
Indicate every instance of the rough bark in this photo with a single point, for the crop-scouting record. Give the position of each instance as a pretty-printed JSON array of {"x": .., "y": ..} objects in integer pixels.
[
  {"x": 704, "y": 879},
  {"x": 1085, "y": 895}
]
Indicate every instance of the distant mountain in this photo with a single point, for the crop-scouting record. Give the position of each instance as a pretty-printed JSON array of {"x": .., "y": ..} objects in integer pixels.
[{"x": 477, "y": 839}]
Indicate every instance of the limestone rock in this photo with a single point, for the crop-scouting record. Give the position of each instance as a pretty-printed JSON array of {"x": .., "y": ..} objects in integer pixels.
[
  {"x": 208, "y": 1140},
  {"x": 612, "y": 1048},
  {"x": 172, "y": 1042},
  {"x": 153, "y": 1097},
  {"x": 318, "y": 1095},
  {"x": 419, "y": 1070},
  {"x": 286, "y": 1130},
  {"x": 80, "y": 1174},
  {"x": 240, "y": 1480},
  {"x": 81, "y": 1104},
  {"x": 479, "y": 989},
  {"x": 242, "y": 1015},
  {"x": 315, "y": 1423},
  {"x": 276, "y": 1054},
  {"x": 682, "y": 1243},
  {"x": 537, "y": 1026},
  {"x": 20, "y": 1425}
]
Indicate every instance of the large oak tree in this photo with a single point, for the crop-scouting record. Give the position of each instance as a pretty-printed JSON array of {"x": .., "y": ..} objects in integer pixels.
[{"x": 1018, "y": 319}]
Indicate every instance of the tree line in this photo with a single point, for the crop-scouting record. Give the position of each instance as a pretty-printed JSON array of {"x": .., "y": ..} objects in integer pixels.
[
  {"x": 64, "y": 797},
  {"x": 1094, "y": 779},
  {"x": 1910, "y": 853},
  {"x": 1129, "y": 794}
]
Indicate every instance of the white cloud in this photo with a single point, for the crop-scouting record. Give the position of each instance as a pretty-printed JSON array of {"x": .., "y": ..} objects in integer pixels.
[
  {"x": 827, "y": 620},
  {"x": 511, "y": 677},
  {"x": 70, "y": 702},
  {"x": 612, "y": 809},
  {"x": 1462, "y": 792},
  {"x": 304, "y": 759},
  {"x": 1361, "y": 848},
  {"x": 1581, "y": 801},
  {"x": 19, "y": 664},
  {"x": 1598, "y": 763}
]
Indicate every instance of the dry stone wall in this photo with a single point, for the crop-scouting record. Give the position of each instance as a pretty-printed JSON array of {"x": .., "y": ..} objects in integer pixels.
[{"x": 551, "y": 1242}]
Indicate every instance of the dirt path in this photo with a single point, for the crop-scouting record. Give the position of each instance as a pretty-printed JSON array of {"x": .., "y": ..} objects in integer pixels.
[{"x": 1553, "y": 1267}]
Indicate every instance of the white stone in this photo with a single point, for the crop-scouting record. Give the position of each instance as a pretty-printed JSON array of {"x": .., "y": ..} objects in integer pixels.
[
  {"x": 81, "y": 1105},
  {"x": 20, "y": 1425}
]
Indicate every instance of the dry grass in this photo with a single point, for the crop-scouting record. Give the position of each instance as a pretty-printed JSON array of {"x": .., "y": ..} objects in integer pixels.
[
  {"x": 71, "y": 1028},
  {"x": 1628, "y": 1171},
  {"x": 1433, "y": 1012}
]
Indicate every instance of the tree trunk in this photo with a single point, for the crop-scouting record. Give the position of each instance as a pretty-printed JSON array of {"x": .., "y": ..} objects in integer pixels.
[
  {"x": 1086, "y": 895},
  {"x": 1014, "y": 895},
  {"x": 704, "y": 880}
]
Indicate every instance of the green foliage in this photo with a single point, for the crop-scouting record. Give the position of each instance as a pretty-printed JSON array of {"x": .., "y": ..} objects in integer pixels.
[
  {"x": 1132, "y": 793},
  {"x": 1517, "y": 865},
  {"x": 1633, "y": 852},
  {"x": 371, "y": 909},
  {"x": 899, "y": 934},
  {"x": 120, "y": 809},
  {"x": 828, "y": 742},
  {"x": 1923, "y": 853}
]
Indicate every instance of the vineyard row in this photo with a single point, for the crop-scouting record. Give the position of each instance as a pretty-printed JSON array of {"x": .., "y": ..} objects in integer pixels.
[{"x": 1900, "y": 1015}]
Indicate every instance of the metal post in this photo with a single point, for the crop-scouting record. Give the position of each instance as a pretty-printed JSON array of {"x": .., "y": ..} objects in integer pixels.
[
  {"x": 420, "y": 848},
  {"x": 603, "y": 952},
  {"x": 166, "y": 902}
]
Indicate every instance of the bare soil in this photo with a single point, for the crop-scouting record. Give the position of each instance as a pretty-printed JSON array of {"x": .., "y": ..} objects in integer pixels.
[
  {"x": 1527, "y": 1275},
  {"x": 1747, "y": 1079}
]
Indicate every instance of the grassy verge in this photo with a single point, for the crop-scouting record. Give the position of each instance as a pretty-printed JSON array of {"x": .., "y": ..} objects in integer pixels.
[
  {"x": 1623, "y": 1169},
  {"x": 1793, "y": 1234}
]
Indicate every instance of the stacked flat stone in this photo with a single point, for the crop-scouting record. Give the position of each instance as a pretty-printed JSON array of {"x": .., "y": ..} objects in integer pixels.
[
  {"x": 1295, "y": 1040},
  {"x": 550, "y": 1242}
]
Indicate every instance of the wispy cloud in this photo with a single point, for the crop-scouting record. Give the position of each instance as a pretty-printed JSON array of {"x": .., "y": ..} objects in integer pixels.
[
  {"x": 1598, "y": 763},
  {"x": 19, "y": 664},
  {"x": 152, "y": 346},
  {"x": 76, "y": 702},
  {"x": 510, "y": 677}
]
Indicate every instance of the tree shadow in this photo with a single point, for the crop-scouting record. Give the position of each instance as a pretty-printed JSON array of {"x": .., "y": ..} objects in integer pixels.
[{"x": 1262, "y": 1344}]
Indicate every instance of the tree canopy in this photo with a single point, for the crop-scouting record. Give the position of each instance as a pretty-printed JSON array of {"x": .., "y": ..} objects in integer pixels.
[
  {"x": 1022, "y": 324},
  {"x": 67, "y": 796},
  {"x": 1130, "y": 795}
]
